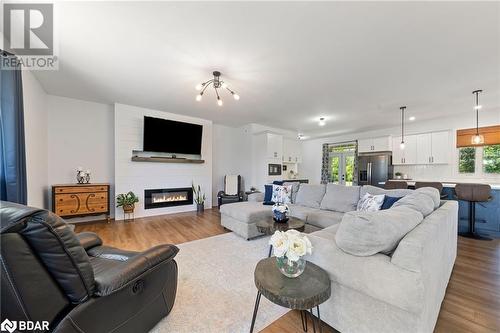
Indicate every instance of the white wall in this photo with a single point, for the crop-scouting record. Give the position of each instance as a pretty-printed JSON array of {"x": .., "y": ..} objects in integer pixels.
[
  {"x": 232, "y": 155},
  {"x": 80, "y": 134},
  {"x": 36, "y": 134},
  {"x": 138, "y": 176},
  {"x": 312, "y": 149}
]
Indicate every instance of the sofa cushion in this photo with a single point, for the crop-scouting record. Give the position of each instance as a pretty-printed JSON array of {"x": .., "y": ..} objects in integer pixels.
[
  {"x": 248, "y": 211},
  {"x": 370, "y": 202},
  {"x": 300, "y": 212},
  {"x": 433, "y": 193},
  {"x": 268, "y": 192},
  {"x": 368, "y": 233},
  {"x": 340, "y": 198},
  {"x": 310, "y": 195},
  {"x": 418, "y": 201},
  {"x": 295, "y": 189},
  {"x": 377, "y": 190},
  {"x": 324, "y": 218},
  {"x": 374, "y": 276}
]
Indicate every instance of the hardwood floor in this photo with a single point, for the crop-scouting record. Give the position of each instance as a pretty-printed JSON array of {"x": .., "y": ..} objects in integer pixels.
[{"x": 471, "y": 304}]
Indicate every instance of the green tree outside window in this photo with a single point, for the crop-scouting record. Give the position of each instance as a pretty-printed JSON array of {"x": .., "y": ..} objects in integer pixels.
[
  {"x": 491, "y": 159},
  {"x": 467, "y": 160}
]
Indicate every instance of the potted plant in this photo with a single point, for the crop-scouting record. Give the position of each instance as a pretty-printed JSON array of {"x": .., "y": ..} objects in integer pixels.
[
  {"x": 398, "y": 175},
  {"x": 127, "y": 201},
  {"x": 199, "y": 198}
]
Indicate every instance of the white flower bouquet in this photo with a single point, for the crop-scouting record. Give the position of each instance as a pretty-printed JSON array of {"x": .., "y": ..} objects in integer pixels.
[{"x": 290, "y": 247}]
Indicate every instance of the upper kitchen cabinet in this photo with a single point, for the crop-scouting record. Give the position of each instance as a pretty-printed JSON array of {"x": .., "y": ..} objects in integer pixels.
[
  {"x": 408, "y": 155},
  {"x": 426, "y": 148},
  {"x": 375, "y": 144},
  {"x": 291, "y": 151},
  {"x": 274, "y": 146}
]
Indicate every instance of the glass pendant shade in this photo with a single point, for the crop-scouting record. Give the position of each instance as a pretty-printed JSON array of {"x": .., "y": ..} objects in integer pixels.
[{"x": 477, "y": 139}]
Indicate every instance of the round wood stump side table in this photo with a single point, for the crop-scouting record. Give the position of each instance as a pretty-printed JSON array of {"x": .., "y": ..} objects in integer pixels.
[
  {"x": 269, "y": 226},
  {"x": 303, "y": 293}
]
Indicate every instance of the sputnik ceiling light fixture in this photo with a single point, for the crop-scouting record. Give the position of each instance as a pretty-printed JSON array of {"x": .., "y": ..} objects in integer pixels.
[
  {"x": 217, "y": 83},
  {"x": 477, "y": 139},
  {"x": 402, "y": 144}
]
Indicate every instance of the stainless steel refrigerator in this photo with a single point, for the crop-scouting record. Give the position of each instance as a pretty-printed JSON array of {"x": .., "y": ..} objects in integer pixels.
[{"x": 374, "y": 168}]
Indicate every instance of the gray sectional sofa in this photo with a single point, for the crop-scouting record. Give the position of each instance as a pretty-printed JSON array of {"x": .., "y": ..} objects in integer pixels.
[{"x": 389, "y": 269}]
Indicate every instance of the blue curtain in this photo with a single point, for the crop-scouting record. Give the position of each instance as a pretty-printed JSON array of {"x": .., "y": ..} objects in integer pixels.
[{"x": 12, "y": 149}]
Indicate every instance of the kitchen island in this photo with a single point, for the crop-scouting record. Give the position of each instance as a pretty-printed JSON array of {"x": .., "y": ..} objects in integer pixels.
[{"x": 487, "y": 213}]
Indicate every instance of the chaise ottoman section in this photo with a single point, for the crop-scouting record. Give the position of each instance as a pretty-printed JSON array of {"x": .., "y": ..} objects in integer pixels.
[{"x": 241, "y": 217}]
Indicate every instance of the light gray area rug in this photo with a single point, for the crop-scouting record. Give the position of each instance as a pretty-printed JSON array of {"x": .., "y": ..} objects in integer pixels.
[{"x": 216, "y": 290}]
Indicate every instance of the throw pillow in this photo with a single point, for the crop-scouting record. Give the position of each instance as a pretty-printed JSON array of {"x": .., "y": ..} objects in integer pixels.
[
  {"x": 278, "y": 182},
  {"x": 268, "y": 193},
  {"x": 282, "y": 194},
  {"x": 370, "y": 203},
  {"x": 389, "y": 201}
]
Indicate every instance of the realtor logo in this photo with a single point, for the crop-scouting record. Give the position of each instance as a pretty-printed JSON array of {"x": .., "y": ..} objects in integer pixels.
[
  {"x": 8, "y": 326},
  {"x": 28, "y": 28}
]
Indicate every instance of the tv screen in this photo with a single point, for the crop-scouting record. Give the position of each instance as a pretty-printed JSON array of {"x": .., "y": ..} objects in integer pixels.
[{"x": 168, "y": 136}]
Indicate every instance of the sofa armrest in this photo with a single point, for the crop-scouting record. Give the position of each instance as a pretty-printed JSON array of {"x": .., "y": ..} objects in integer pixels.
[
  {"x": 89, "y": 240},
  {"x": 119, "y": 276},
  {"x": 256, "y": 197}
]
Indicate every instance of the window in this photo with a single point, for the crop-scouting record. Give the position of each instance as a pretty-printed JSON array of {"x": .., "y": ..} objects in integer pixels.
[
  {"x": 491, "y": 159},
  {"x": 467, "y": 160}
]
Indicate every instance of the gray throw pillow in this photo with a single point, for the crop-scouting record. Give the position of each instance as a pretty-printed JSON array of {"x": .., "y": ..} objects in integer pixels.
[
  {"x": 377, "y": 190},
  {"x": 295, "y": 189},
  {"x": 368, "y": 233},
  {"x": 433, "y": 193},
  {"x": 310, "y": 195},
  {"x": 340, "y": 198}
]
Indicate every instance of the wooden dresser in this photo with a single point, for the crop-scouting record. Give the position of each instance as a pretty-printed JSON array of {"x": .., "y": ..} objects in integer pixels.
[{"x": 77, "y": 200}]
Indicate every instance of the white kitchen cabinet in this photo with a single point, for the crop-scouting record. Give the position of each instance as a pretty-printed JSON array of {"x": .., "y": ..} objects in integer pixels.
[
  {"x": 440, "y": 147},
  {"x": 405, "y": 156},
  {"x": 375, "y": 144},
  {"x": 424, "y": 148},
  {"x": 274, "y": 146},
  {"x": 291, "y": 151}
]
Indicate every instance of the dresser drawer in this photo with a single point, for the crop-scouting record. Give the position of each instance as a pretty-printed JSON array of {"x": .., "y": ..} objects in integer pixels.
[
  {"x": 81, "y": 189},
  {"x": 68, "y": 204}
]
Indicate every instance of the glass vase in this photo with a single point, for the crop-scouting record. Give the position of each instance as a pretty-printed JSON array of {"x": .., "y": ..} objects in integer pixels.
[{"x": 290, "y": 268}]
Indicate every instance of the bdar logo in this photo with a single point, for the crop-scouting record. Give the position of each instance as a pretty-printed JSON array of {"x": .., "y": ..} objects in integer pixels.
[{"x": 9, "y": 326}]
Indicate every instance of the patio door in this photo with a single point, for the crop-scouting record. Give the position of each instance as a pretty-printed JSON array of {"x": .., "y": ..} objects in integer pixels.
[{"x": 342, "y": 167}]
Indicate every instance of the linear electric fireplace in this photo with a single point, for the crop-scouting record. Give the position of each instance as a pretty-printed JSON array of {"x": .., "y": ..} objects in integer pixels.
[{"x": 168, "y": 197}]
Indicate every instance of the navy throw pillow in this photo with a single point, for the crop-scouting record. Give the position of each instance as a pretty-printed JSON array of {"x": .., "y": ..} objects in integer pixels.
[
  {"x": 268, "y": 193},
  {"x": 278, "y": 182},
  {"x": 388, "y": 202}
]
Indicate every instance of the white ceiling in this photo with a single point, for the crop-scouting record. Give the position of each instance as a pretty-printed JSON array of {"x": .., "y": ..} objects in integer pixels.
[{"x": 292, "y": 62}]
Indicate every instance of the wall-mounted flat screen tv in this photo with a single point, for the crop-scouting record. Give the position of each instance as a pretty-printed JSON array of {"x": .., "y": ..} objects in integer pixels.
[{"x": 168, "y": 136}]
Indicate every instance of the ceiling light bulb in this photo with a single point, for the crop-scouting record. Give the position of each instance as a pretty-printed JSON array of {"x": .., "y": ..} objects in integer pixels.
[
  {"x": 219, "y": 102},
  {"x": 478, "y": 107},
  {"x": 412, "y": 118},
  {"x": 198, "y": 86},
  {"x": 224, "y": 85},
  {"x": 477, "y": 139},
  {"x": 198, "y": 97},
  {"x": 402, "y": 145},
  {"x": 236, "y": 97},
  {"x": 322, "y": 121}
]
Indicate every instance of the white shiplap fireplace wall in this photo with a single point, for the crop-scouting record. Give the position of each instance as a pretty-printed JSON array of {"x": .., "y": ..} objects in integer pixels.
[{"x": 138, "y": 176}]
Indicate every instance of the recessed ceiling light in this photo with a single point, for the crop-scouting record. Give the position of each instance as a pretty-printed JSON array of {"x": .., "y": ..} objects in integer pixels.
[
  {"x": 412, "y": 118},
  {"x": 322, "y": 121}
]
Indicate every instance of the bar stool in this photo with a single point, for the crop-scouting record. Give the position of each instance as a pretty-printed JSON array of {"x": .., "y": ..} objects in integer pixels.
[
  {"x": 395, "y": 185},
  {"x": 436, "y": 185},
  {"x": 473, "y": 193}
]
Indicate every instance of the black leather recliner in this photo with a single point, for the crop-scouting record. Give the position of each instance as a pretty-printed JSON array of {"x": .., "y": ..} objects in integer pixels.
[{"x": 49, "y": 273}]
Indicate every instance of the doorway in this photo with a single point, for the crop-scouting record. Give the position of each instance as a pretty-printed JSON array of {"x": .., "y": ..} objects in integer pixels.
[{"x": 342, "y": 165}]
